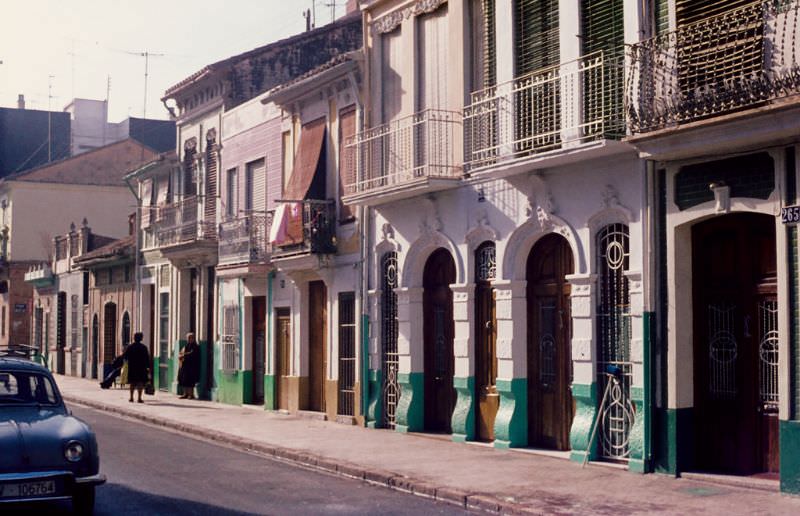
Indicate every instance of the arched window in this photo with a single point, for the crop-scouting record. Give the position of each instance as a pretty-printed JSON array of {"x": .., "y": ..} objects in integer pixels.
[
  {"x": 126, "y": 329},
  {"x": 485, "y": 262},
  {"x": 389, "y": 358},
  {"x": 614, "y": 340}
]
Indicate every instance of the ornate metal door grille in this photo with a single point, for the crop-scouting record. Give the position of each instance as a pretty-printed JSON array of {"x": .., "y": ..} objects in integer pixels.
[
  {"x": 547, "y": 345},
  {"x": 722, "y": 351},
  {"x": 389, "y": 359},
  {"x": 614, "y": 338},
  {"x": 768, "y": 354}
]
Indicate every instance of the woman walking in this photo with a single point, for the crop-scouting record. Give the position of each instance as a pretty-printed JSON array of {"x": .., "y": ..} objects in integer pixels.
[{"x": 189, "y": 370}]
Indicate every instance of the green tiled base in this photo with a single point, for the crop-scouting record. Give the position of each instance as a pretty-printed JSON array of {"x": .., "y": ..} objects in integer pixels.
[
  {"x": 511, "y": 423},
  {"x": 269, "y": 392},
  {"x": 375, "y": 401},
  {"x": 790, "y": 456},
  {"x": 463, "y": 420},
  {"x": 585, "y": 397},
  {"x": 410, "y": 415}
]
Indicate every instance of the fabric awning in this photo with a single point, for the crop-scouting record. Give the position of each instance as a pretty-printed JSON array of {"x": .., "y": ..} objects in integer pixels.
[{"x": 287, "y": 227}]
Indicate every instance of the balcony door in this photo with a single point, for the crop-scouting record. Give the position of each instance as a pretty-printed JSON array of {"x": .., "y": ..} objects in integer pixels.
[
  {"x": 283, "y": 347},
  {"x": 317, "y": 344},
  {"x": 431, "y": 142},
  {"x": 259, "y": 342}
]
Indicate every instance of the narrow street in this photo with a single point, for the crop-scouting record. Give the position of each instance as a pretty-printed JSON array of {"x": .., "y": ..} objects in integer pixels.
[{"x": 152, "y": 471}]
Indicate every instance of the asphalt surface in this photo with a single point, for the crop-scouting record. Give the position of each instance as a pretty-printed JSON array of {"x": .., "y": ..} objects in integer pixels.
[{"x": 152, "y": 471}]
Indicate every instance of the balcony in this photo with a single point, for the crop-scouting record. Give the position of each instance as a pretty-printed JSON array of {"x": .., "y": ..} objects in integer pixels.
[
  {"x": 245, "y": 239},
  {"x": 40, "y": 275},
  {"x": 551, "y": 109},
  {"x": 316, "y": 234},
  {"x": 743, "y": 58},
  {"x": 178, "y": 223},
  {"x": 416, "y": 154}
]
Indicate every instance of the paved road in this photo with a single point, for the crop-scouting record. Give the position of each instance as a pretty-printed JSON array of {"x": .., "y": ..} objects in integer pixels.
[{"x": 151, "y": 471}]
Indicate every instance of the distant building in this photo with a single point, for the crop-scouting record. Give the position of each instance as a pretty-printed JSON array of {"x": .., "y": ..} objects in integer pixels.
[{"x": 24, "y": 138}]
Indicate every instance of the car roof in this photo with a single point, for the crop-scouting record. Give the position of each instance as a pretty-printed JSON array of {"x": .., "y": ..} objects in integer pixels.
[{"x": 20, "y": 364}]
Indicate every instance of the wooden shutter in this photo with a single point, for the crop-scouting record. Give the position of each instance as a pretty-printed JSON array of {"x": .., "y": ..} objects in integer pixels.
[
  {"x": 147, "y": 193},
  {"x": 432, "y": 60},
  {"x": 347, "y": 128},
  {"x": 210, "y": 203},
  {"x": 691, "y": 11},
  {"x": 602, "y": 26},
  {"x": 391, "y": 75},
  {"x": 484, "y": 56},
  {"x": 536, "y": 38}
]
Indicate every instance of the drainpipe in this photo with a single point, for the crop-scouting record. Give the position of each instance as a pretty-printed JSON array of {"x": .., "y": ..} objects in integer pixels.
[
  {"x": 137, "y": 274},
  {"x": 651, "y": 286},
  {"x": 363, "y": 264},
  {"x": 269, "y": 344}
]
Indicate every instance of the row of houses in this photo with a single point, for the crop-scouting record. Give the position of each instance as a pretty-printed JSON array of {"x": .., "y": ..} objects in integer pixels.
[{"x": 534, "y": 223}]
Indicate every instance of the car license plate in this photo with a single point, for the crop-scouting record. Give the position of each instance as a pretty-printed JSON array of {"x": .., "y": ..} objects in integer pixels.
[{"x": 28, "y": 489}]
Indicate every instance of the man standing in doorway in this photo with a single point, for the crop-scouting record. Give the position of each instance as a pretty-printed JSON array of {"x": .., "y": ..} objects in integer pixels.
[{"x": 138, "y": 359}]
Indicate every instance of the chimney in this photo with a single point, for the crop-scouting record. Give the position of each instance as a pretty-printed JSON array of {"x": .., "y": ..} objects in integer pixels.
[
  {"x": 20, "y": 101},
  {"x": 352, "y": 5}
]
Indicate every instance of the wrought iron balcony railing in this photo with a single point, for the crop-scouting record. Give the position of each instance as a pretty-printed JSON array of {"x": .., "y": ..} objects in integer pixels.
[
  {"x": 178, "y": 223},
  {"x": 576, "y": 101},
  {"x": 422, "y": 145},
  {"x": 245, "y": 239},
  {"x": 739, "y": 59},
  {"x": 318, "y": 230}
]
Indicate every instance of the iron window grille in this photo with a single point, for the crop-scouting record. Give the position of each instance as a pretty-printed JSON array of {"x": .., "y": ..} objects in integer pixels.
[
  {"x": 347, "y": 353},
  {"x": 389, "y": 357}
]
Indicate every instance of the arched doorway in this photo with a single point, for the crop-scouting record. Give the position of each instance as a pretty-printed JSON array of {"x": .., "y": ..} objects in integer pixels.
[
  {"x": 95, "y": 344},
  {"x": 109, "y": 335},
  {"x": 487, "y": 398},
  {"x": 550, "y": 404},
  {"x": 438, "y": 327},
  {"x": 735, "y": 311}
]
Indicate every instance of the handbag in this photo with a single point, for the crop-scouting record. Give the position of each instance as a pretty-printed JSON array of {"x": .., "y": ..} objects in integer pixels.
[{"x": 149, "y": 389}]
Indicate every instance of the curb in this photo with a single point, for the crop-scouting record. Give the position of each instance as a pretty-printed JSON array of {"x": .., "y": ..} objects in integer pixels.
[{"x": 395, "y": 481}]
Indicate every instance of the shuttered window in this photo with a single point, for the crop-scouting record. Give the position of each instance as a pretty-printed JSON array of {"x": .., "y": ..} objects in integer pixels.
[
  {"x": 347, "y": 128},
  {"x": 432, "y": 60},
  {"x": 661, "y": 16},
  {"x": 255, "y": 186},
  {"x": 536, "y": 34},
  {"x": 484, "y": 57},
  {"x": 210, "y": 203},
  {"x": 391, "y": 62},
  {"x": 230, "y": 193},
  {"x": 602, "y": 26}
]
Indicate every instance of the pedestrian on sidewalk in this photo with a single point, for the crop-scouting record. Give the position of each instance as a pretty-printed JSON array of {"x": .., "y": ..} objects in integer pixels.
[
  {"x": 189, "y": 370},
  {"x": 138, "y": 359}
]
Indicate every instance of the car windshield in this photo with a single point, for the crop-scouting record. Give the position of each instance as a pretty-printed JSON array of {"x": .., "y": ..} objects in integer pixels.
[{"x": 25, "y": 387}]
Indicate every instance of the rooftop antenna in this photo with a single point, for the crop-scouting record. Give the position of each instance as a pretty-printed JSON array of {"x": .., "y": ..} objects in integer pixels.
[
  {"x": 147, "y": 55},
  {"x": 49, "y": 121}
]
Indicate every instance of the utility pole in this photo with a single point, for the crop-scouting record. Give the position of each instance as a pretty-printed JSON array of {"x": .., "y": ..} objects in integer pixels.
[
  {"x": 49, "y": 120},
  {"x": 147, "y": 55}
]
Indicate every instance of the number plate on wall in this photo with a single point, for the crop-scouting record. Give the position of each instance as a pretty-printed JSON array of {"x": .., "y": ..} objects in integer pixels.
[{"x": 790, "y": 214}]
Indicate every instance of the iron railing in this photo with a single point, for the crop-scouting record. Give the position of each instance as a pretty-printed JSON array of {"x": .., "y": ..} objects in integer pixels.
[
  {"x": 178, "y": 223},
  {"x": 230, "y": 353},
  {"x": 422, "y": 145},
  {"x": 739, "y": 59},
  {"x": 318, "y": 230},
  {"x": 576, "y": 101},
  {"x": 245, "y": 239}
]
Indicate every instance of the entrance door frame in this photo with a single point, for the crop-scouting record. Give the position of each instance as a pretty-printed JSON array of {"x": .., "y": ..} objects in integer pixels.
[{"x": 679, "y": 395}]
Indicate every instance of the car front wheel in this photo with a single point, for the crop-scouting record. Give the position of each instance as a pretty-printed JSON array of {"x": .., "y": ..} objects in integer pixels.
[{"x": 83, "y": 500}]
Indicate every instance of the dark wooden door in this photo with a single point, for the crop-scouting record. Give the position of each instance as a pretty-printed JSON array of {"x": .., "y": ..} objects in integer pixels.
[
  {"x": 735, "y": 344},
  {"x": 317, "y": 326},
  {"x": 259, "y": 347},
  {"x": 439, "y": 329},
  {"x": 550, "y": 404},
  {"x": 488, "y": 400},
  {"x": 283, "y": 326}
]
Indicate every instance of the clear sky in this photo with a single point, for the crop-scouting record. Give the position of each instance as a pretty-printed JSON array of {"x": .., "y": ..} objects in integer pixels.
[{"x": 81, "y": 43}]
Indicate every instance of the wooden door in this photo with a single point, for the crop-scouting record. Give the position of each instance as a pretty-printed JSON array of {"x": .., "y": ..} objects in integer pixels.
[
  {"x": 439, "y": 329},
  {"x": 317, "y": 319},
  {"x": 259, "y": 351},
  {"x": 283, "y": 326},
  {"x": 488, "y": 400},
  {"x": 550, "y": 404},
  {"x": 735, "y": 344}
]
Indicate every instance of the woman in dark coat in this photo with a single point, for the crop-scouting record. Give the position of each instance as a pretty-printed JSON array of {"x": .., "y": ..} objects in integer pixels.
[{"x": 189, "y": 371}]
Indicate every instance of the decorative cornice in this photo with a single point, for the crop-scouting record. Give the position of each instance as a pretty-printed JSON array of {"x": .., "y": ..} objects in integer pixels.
[{"x": 391, "y": 21}]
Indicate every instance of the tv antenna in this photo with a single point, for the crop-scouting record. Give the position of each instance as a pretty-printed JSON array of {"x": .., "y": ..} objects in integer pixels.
[{"x": 147, "y": 55}]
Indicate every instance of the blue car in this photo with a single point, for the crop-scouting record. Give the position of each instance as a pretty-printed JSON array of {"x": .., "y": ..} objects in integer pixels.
[{"x": 45, "y": 452}]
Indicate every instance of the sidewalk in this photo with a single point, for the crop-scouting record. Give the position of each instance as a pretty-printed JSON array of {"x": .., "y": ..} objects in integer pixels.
[{"x": 470, "y": 475}]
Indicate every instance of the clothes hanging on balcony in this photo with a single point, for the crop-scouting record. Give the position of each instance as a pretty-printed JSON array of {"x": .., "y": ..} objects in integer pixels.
[{"x": 288, "y": 226}]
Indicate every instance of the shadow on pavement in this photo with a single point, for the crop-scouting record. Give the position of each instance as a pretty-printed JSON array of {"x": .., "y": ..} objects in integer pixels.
[{"x": 116, "y": 500}]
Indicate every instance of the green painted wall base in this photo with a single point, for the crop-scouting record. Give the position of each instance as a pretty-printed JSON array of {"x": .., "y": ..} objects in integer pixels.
[
  {"x": 673, "y": 440},
  {"x": 374, "y": 399},
  {"x": 636, "y": 443},
  {"x": 463, "y": 420},
  {"x": 790, "y": 456},
  {"x": 511, "y": 423},
  {"x": 585, "y": 397},
  {"x": 204, "y": 385},
  {"x": 410, "y": 415},
  {"x": 234, "y": 388},
  {"x": 174, "y": 364},
  {"x": 270, "y": 402}
]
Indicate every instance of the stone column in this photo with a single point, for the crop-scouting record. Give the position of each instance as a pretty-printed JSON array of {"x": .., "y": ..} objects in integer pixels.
[
  {"x": 584, "y": 359},
  {"x": 511, "y": 309},
  {"x": 410, "y": 343},
  {"x": 463, "y": 420}
]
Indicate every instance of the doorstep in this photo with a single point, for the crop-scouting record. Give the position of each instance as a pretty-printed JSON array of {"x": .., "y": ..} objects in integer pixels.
[{"x": 749, "y": 481}]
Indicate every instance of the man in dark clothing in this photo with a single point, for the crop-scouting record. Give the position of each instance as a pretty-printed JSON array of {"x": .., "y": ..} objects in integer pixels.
[{"x": 138, "y": 365}]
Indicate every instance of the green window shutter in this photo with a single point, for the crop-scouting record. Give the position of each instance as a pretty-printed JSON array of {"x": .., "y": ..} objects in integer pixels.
[
  {"x": 489, "y": 44},
  {"x": 602, "y": 26},
  {"x": 536, "y": 38},
  {"x": 661, "y": 16},
  {"x": 691, "y": 11}
]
